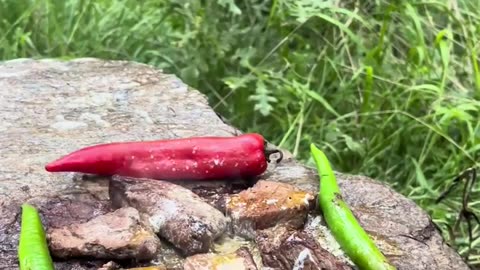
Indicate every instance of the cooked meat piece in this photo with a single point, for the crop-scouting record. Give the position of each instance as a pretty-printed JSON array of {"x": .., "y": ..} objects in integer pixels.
[
  {"x": 267, "y": 204},
  {"x": 56, "y": 211},
  {"x": 117, "y": 235},
  {"x": 241, "y": 259},
  {"x": 77, "y": 207},
  {"x": 216, "y": 192},
  {"x": 110, "y": 266},
  {"x": 114, "y": 266},
  {"x": 283, "y": 247},
  {"x": 174, "y": 212},
  {"x": 161, "y": 267}
]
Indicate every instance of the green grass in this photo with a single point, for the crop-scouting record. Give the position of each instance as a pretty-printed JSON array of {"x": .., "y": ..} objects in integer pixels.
[{"x": 388, "y": 89}]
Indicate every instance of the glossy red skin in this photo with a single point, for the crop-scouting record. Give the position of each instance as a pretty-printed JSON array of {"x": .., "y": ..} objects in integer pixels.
[{"x": 195, "y": 158}]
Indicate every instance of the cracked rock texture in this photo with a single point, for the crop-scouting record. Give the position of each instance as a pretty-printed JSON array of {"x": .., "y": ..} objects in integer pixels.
[{"x": 49, "y": 108}]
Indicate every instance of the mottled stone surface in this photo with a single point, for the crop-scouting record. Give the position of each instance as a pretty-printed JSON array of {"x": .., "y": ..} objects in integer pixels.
[{"x": 49, "y": 108}]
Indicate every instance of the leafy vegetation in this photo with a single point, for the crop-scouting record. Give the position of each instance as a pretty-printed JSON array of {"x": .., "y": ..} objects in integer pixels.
[{"x": 389, "y": 89}]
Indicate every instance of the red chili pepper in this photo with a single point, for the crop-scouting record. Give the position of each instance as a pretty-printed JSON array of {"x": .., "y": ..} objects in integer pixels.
[{"x": 195, "y": 158}]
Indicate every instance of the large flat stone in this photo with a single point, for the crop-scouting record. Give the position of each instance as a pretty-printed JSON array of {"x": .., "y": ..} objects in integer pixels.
[{"x": 49, "y": 108}]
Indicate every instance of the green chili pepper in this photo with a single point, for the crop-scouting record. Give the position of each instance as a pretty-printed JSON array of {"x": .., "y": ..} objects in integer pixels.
[
  {"x": 356, "y": 243},
  {"x": 33, "y": 253}
]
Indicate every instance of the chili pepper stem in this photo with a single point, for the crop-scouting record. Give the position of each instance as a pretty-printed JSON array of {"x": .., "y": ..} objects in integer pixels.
[
  {"x": 269, "y": 152},
  {"x": 356, "y": 243}
]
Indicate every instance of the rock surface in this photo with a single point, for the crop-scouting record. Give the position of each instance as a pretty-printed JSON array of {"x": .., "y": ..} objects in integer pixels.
[
  {"x": 174, "y": 212},
  {"x": 120, "y": 234},
  {"x": 53, "y": 107},
  {"x": 267, "y": 204}
]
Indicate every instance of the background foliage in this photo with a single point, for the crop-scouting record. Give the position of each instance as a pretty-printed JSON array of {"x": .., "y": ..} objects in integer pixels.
[{"x": 389, "y": 89}]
